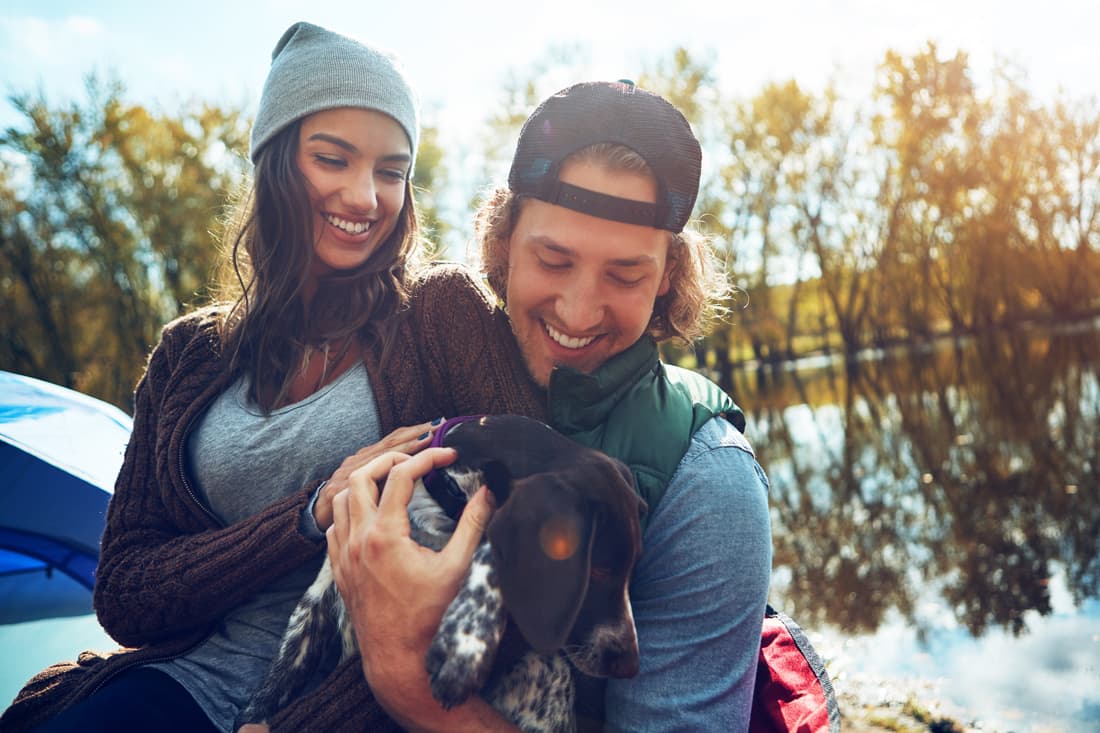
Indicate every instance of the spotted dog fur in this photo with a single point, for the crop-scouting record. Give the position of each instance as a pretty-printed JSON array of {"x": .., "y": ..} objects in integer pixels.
[
  {"x": 589, "y": 621},
  {"x": 460, "y": 660},
  {"x": 461, "y": 655}
]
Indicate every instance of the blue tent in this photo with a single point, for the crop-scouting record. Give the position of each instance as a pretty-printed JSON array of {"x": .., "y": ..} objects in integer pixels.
[{"x": 60, "y": 452}]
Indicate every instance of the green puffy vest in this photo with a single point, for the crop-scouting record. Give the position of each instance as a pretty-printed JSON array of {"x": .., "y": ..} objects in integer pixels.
[{"x": 639, "y": 410}]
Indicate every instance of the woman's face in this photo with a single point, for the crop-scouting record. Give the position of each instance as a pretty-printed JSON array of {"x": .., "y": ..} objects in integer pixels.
[{"x": 355, "y": 163}]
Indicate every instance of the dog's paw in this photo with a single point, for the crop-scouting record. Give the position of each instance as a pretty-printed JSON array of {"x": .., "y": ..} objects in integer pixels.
[
  {"x": 458, "y": 666},
  {"x": 462, "y": 652}
]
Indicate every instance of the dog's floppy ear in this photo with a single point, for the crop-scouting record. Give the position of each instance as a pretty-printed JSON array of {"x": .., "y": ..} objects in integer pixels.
[
  {"x": 542, "y": 547},
  {"x": 499, "y": 480}
]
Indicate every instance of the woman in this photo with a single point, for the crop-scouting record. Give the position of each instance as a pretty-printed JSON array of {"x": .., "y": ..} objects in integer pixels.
[{"x": 250, "y": 417}]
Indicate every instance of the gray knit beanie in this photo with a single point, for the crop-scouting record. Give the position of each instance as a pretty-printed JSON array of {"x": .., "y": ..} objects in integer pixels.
[{"x": 313, "y": 69}]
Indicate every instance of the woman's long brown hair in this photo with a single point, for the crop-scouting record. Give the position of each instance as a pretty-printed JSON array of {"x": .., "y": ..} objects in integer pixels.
[{"x": 267, "y": 330}]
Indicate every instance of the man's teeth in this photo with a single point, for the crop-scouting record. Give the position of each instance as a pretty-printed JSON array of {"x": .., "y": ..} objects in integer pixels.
[
  {"x": 351, "y": 227},
  {"x": 567, "y": 341}
]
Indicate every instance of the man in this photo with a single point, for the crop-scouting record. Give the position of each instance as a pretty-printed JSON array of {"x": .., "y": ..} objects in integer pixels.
[{"x": 589, "y": 254}]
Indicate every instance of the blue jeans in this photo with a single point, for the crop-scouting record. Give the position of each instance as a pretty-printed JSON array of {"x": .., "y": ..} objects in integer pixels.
[{"x": 140, "y": 699}]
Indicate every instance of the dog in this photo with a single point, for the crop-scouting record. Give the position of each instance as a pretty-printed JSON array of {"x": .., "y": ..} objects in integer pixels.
[{"x": 546, "y": 591}]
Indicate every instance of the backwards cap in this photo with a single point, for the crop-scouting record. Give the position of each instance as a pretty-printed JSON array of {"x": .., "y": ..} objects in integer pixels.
[{"x": 610, "y": 112}]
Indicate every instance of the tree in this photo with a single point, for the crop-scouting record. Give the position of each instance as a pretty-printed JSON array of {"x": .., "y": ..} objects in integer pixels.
[
  {"x": 429, "y": 182},
  {"x": 107, "y": 217},
  {"x": 1058, "y": 204}
]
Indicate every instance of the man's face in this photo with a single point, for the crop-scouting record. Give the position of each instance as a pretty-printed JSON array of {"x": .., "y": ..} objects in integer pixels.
[{"x": 582, "y": 289}]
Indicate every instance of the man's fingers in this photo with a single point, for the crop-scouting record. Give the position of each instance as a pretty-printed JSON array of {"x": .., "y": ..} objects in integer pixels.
[
  {"x": 471, "y": 527},
  {"x": 402, "y": 478},
  {"x": 371, "y": 475},
  {"x": 364, "y": 484},
  {"x": 340, "y": 527}
]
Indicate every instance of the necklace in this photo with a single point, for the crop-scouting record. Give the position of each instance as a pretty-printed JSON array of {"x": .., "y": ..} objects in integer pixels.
[{"x": 331, "y": 359}]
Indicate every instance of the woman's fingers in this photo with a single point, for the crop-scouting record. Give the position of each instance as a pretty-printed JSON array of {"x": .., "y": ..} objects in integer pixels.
[
  {"x": 416, "y": 435},
  {"x": 408, "y": 439}
]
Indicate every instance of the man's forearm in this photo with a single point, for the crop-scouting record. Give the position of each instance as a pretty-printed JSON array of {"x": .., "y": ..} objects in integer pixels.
[{"x": 420, "y": 713}]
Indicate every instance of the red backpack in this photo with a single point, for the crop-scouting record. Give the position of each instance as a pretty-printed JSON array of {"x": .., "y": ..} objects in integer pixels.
[{"x": 793, "y": 691}]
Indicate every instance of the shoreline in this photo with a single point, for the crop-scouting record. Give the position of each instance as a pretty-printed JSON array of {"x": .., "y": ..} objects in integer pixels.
[
  {"x": 874, "y": 704},
  {"x": 945, "y": 680}
]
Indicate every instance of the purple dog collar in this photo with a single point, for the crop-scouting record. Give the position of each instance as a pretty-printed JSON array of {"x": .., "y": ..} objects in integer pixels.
[
  {"x": 442, "y": 430},
  {"x": 438, "y": 482}
]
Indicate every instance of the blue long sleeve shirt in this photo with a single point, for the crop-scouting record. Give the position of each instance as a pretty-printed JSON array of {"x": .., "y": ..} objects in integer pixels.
[{"x": 698, "y": 594}]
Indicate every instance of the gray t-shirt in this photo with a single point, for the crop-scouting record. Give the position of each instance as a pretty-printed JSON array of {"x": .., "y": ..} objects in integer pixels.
[{"x": 243, "y": 461}]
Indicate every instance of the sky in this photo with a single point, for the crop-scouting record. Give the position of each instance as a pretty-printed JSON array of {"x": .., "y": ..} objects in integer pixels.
[{"x": 460, "y": 53}]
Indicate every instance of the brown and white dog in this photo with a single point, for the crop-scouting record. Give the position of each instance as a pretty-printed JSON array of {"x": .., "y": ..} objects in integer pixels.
[{"x": 546, "y": 591}]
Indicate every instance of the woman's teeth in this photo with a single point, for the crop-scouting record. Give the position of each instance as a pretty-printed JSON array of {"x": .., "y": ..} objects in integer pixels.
[
  {"x": 567, "y": 341},
  {"x": 351, "y": 227}
]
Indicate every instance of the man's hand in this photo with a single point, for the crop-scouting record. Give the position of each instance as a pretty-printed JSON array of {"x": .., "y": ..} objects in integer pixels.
[
  {"x": 407, "y": 440},
  {"x": 396, "y": 591}
]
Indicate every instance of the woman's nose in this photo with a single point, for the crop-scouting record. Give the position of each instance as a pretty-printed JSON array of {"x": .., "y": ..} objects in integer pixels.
[{"x": 360, "y": 194}]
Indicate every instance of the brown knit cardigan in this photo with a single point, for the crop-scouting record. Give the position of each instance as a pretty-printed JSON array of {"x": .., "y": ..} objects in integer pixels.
[{"x": 169, "y": 570}]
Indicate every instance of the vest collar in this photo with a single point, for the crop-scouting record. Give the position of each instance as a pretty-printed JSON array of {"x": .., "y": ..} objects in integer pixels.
[{"x": 580, "y": 402}]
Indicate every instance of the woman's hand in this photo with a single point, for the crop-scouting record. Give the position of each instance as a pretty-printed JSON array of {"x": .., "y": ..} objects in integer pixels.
[
  {"x": 406, "y": 440},
  {"x": 396, "y": 591}
]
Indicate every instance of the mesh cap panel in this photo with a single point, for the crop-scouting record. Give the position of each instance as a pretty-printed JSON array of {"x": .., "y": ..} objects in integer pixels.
[{"x": 610, "y": 112}]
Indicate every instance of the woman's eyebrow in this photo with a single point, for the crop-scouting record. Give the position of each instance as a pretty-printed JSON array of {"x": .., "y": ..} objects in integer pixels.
[
  {"x": 342, "y": 143},
  {"x": 337, "y": 141},
  {"x": 397, "y": 158}
]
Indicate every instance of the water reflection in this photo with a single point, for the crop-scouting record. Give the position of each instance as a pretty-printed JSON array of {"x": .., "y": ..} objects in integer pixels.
[
  {"x": 967, "y": 469},
  {"x": 949, "y": 494}
]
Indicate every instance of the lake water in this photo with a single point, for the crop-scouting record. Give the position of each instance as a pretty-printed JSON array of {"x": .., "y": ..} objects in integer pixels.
[
  {"x": 937, "y": 521},
  {"x": 936, "y": 516}
]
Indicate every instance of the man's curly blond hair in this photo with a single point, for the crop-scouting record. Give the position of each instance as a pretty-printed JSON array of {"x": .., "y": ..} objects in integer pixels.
[{"x": 698, "y": 288}]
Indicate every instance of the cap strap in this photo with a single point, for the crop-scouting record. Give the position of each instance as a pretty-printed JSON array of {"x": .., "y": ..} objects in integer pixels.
[{"x": 604, "y": 206}]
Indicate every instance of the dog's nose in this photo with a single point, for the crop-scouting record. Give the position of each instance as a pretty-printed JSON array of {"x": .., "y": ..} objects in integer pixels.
[{"x": 622, "y": 664}]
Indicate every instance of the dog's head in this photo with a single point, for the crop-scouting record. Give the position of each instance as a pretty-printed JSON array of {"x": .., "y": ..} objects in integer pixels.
[{"x": 565, "y": 537}]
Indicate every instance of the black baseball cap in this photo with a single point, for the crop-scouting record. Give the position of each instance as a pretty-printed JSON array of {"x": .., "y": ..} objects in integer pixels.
[{"x": 610, "y": 112}]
